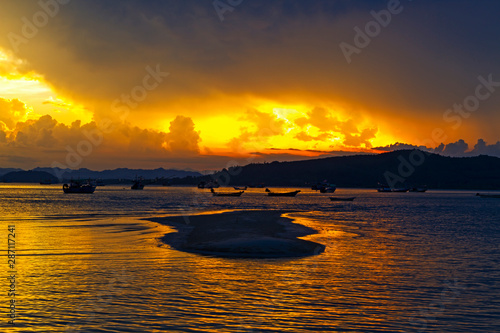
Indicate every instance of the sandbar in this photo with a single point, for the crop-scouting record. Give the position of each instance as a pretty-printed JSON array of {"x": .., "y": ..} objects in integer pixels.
[{"x": 243, "y": 234}]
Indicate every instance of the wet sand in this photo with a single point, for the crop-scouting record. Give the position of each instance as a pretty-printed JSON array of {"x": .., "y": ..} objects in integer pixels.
[{"x": 246, "y": 234}]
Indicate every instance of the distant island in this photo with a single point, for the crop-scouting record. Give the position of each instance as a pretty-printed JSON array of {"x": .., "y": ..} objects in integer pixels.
[
  {"x": 29, "y": 177},
  {"x": 56, "y": 175},
  {"x": 404, "y": 168}
]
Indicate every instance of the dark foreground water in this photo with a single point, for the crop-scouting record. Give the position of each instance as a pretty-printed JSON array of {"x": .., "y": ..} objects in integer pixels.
[{"x": 394, "y": 262}]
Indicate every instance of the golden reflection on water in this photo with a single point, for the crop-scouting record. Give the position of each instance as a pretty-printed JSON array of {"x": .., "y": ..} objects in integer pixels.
[
  {"x": 382, "y": 265},
  {"x": 73, "y": 269}
]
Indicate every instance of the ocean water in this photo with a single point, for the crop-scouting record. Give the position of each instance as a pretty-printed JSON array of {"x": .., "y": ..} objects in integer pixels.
[{"x": 394, "y": 262}]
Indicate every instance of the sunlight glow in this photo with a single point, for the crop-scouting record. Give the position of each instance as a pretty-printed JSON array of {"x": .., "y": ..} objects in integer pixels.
[
  {"x": 254, "y": 126},
  {"x": 38, "y": 96}
]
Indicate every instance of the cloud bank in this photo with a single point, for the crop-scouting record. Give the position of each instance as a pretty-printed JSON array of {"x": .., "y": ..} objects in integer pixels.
[
  {"x": 459, "y": 148},
  {"x": 279, "y": 53}
]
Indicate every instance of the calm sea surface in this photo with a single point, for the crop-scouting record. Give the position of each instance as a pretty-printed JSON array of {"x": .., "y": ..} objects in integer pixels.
[{"x": 394, "y": 262}]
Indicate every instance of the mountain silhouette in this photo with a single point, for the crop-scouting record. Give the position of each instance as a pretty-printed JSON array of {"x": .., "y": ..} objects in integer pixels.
[
  {"x": 28, "y": 177},
  {"x": 409, "y": 167}
]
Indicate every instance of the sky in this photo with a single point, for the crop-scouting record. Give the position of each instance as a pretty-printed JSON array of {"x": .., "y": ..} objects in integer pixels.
[{"x": 205, "y": 85}]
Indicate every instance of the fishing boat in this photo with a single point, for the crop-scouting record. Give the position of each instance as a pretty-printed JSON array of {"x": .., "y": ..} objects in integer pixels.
[
  {"x": 281, "y": 194},
  {"x": 244, "y": 188},
  {"x": 342, "y": 198},
  {"x": 328, "y": 189},
  {"x": 226, "y": 194},
  {"x": 399, "y": 190},
  {"x": 76, "y": 186},
  {"x": 138, "y": 184},
  {"x": 384, "y": 188},
  {"x": 47, "y": 182},
  {"x": 324, "y": 187},
  {"x": 485, "y": 195}
]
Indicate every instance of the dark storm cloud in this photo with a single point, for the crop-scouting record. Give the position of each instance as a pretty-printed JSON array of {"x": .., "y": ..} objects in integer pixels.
[
  {"x": 428, "y": 58},
  {"x": 401, "y": 146}
]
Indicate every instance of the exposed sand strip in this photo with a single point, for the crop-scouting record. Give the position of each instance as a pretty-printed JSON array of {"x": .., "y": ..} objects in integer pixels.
[{"x": 249, "y": 234}]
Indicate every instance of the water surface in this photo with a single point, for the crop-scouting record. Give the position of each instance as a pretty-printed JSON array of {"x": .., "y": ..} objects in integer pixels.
[{"x": 394, "y": 262}]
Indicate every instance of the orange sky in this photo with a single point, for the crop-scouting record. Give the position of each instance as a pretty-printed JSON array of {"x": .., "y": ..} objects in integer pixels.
[{"x": 151, "y": 86}]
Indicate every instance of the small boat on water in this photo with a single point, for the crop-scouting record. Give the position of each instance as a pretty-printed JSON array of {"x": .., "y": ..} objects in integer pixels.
[
  {"x": 76, "y": 186},
  {"x": 328, "y": 189},
  {"x": 486, "y": 195},
  {"x": 138, "y": 184},
  {"x": 47, "y": 182},
  {"x": 386, "y": 188},
  {"x": 244, "y": 188},
  {"x": 399, "y": 190},
  {"x": 226, "y": 194},
  {"x": 324, "y": 187},
  {"x": 342, "y": 198},
  {"x": 281, "y": 194}
]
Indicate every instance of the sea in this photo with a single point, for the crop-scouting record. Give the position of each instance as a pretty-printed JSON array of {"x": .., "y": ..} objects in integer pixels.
[{"x": 394, "y": 262}]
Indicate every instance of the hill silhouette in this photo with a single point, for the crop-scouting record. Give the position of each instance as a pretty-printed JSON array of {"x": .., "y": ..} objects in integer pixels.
[
  {"x": 28, "y": 177},
  {"x": 62, "y": 175},
  {"x": 404, "y": 167},
  {"x": 120, "y": 173}
]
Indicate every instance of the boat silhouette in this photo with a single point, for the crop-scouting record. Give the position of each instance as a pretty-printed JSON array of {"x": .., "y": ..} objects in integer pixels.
[
  {"x": 76, "y": 186},
  {"x": 226, "y": 194},
  {"x": 281, "y": 194},
  {"x": 240, "y": 188},
  {"x": 138, "y": 184},
  {"x": 342, "y": 198}
]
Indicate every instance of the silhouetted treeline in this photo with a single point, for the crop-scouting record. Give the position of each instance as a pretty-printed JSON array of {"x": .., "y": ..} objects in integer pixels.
[{"x": 404, "y": 168}]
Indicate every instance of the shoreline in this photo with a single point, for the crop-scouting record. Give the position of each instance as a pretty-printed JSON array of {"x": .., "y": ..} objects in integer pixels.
[{"x": 240, "y": 234}]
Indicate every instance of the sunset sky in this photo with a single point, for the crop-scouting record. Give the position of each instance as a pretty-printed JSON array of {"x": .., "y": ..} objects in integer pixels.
[{"x": 206, "y": 84}]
